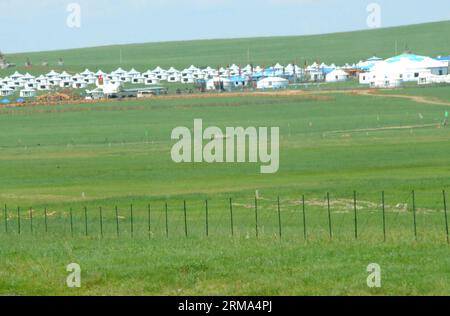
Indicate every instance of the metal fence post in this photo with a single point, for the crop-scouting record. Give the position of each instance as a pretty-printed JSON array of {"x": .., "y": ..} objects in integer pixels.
[
  {"x": 414, "y": 213},
  {"x": 71, "y": 222},
  {"x": 329, "y": 216},
  {"x": 18, "y": 219},
  {"x": 304, "y": 217},
  {"x": 185, "y": 219},
  {"x": 149, "y": 221},
  {"x": 85, "y": 221},
  {"x": 167, "y": 221},
  {"x": 117, "y": 222},
  {"x": 231, "y": 217},
  {"x": 6, "y": 219},
  {"x": 279, "y": 217},
  {"x": 207, "y": 218},
  {"x": 45, "y": 220},
  {"x": 256, "y": 217},
  {"x": 445, "y": 216},
  {"x": 101, "y": 222},
  {"x": 31, "y": 219},
  {"x": 355, "y": 214},
  {"x": 384, "y": 215},
  {"x": 131, "y": 221}
]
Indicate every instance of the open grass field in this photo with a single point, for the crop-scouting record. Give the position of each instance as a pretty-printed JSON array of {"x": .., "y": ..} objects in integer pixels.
[
  {"x": 340, "y": 48},
  {"x": 57, "y": 160},
  {"x": 66, "y": 169}
]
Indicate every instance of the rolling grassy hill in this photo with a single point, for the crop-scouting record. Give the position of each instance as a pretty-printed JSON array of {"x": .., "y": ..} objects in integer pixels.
[{"x": 429, "y": 39}]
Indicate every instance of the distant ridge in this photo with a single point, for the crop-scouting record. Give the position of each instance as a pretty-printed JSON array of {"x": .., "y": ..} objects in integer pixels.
[{"x": 428, "y": 39}]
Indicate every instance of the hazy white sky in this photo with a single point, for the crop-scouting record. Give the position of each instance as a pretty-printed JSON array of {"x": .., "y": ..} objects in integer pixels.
[{"x": 42, "y": 24}]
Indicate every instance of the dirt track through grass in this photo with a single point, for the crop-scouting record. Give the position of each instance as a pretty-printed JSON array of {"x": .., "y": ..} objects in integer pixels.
[{"x": 414, "y": 98}]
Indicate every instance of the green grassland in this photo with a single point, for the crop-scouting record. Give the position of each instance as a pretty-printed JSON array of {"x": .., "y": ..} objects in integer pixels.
[
  {"x": 58, "y": 158},
  {"x": 64, "y": 170},
  {"x": 340, "y": 48},
  {"x": 436, "y": 92}
]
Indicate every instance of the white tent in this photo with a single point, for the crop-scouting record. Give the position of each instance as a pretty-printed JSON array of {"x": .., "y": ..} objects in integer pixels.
[
  {"x": 138, "y": 80},
  {"x": 158, "y": 70},
  {"x": 16, "y": 76},
  {"x": 54, "y": 81},
  {"x": 336, "y": 76},
  {"x": 42, "y": 80},
  {"x": 52, "y": 74},
  {"x": 87, "y": 73},
  {"x": 172, "y": 70},
  {"x": 193, "y": 68},
  {"x": 175, "y": 77},
  {"x": 79, "y": 85},
  {"x": 162, "y": 75},
  {"x": 119, "y": 72},
  {"x": 65, "y": 76},
  {"x": 133, "y": 73},
  {"x": 149, "y": 74},
  {"x": 272, "y": 83},
  {"x": 406, "y": 68},
  {"x": 278, "y": 67},
  {"x": 218, "y": 83},
  {"x": 187, "y": 79},
  {"x": 100, "y": 73},
  {"x": 43, "y": 86},
  {"x": 28, "y": 77},
  {"x": 65, "y": 83},
  {"x": 27, "y": 93},
  {"x": 6, "y": 91},
  {"x": 151, "y": 81},
  {"x": 30, "y": 85}
]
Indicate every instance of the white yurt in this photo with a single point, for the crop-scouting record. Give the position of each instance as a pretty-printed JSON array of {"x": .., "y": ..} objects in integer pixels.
[
  {"x": 65, "y": 76},
  {"x": 176, "y": 77},
  {"x": 187, "y": 79},
  {"x": 336, "y": 75},
  {"x": 16, "y": 76},
  {"x": 133, "y": 73},
  {"x": 406, "y": 68},
  {"x": 138, "y": 80},
  {"x": 149, "y": 74},
  {"x": 6, "y": 91},
  {"x": 272, "y": 83},
  {"x": 28, "y": 77},
  {"x": 151, "y": 81},
  {"x": 219, "y": 83},
  {"x": 27, "y": 93}
]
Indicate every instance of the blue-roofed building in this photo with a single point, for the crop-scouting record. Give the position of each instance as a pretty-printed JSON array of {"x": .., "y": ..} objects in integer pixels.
[
  {"x": 443, "y": 58},
  {"x": 239, "y": 80},
  {"x": 369, "y": 63},
  {"x": 404, "y": 68}
]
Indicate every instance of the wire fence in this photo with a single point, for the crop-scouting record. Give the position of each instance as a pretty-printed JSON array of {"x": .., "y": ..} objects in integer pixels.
[{"x": 359, "y": 216}]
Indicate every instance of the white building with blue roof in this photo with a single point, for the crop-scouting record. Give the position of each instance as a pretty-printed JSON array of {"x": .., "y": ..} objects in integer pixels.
[{"x": 403, "y": 68}]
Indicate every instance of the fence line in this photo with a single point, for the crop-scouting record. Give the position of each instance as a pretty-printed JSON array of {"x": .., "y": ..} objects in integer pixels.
[{"x": 283, "y": 222}]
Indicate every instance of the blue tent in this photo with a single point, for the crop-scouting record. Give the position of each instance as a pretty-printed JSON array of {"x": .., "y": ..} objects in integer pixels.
[
  {"x": 238, "y": 78},
  {"x": 20, "y": 100},
  {"x": 327, "y": 70},
  {"x": 5, "y": 101},
  {"x": 443, "y": 58},
  {"x": 257, "y": 75}
]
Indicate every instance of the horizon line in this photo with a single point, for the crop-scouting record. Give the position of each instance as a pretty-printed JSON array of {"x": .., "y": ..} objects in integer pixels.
[{"x": 221, "y": 39}]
